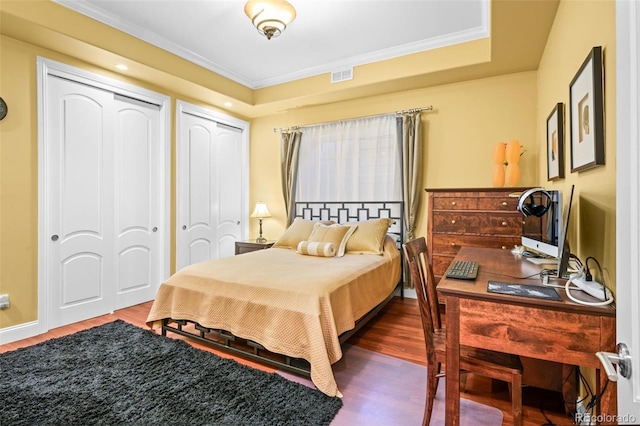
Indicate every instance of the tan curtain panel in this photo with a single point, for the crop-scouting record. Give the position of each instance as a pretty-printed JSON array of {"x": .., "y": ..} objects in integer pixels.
[
  {"x": 289, "y": 148},
  {"x": 411, "y": 173}
]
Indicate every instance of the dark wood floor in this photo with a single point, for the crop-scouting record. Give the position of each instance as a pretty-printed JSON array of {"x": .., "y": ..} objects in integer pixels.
[{"x": 395, "y": 332}]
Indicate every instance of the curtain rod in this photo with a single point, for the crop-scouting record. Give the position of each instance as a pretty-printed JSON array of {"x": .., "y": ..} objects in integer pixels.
[{"x": 405, "y": 111}]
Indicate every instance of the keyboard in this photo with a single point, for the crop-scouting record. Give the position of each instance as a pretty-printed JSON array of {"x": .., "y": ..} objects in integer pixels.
[{"x": 463, "y": 270}]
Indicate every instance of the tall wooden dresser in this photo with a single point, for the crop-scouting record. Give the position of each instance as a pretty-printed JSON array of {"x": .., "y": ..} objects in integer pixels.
[{"x": 485, "y": 217}]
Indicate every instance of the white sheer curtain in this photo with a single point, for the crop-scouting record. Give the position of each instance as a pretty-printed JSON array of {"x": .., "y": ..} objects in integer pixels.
[{"x": 354, "y": 160}]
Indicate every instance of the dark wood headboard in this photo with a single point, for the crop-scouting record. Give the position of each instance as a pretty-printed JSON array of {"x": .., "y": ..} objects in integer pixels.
[{"x": 352, "y": 211}]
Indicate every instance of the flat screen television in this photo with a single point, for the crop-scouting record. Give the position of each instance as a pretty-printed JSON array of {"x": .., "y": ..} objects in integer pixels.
[
  {"x": 564, "y": 251},
  {"x": 541, "y": 234}
]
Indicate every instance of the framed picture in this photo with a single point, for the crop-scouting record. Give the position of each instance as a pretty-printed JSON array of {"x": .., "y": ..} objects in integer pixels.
[
  {"x": 555, "y": 143},
  {"x": 586, "y": 111}
]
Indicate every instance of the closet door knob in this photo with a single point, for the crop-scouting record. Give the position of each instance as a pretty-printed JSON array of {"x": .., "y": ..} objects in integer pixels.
[
  {"x": 184, "y": 227},
  {"x": 54, "y": 238},
  {"x": 155, "y": 229}
]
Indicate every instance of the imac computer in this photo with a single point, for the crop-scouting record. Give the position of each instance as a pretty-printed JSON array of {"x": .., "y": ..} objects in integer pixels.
[
  {"x": 564, "y": 252},
  {"x": 542, "y": 222}
]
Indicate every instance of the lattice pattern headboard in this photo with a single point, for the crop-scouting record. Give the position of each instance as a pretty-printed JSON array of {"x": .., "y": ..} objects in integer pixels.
[{"x": 351, "y": 211}]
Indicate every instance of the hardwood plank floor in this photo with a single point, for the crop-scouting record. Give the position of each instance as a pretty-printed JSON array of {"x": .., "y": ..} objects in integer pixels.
[{"x": 396, "y": 332}]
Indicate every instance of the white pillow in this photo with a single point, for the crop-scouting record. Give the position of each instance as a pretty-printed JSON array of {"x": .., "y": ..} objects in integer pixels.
[{"x": 336, "y": 234}]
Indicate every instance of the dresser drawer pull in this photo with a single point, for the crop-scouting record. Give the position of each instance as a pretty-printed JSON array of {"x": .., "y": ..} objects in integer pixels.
[
  {"x": 504, "y": 203},
  {"x": 453, "y": 222},
  {"x": 504, "y": 247},
  {"x": 453, "y": 244},
  {"x": 504, "y": 223},
  {"x": 453, "y": 203}
]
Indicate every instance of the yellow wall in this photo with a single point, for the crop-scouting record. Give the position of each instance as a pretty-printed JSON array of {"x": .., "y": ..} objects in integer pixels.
[
  {"x": 459, "y": 135},
  {"x": 579, "y": 26}
]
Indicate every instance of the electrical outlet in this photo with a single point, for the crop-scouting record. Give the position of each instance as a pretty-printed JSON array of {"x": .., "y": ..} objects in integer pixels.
[
  {"x": 582, "y": 417},
  {"x": 4, "y": 301}
]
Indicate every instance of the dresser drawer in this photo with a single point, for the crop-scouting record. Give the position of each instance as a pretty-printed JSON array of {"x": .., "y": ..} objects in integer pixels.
[
  {"x": 455, "y": 203},
  {"x": 507, "y": 204},
  {"x": 451, "y": 243},
  {"x": 440, "y": 264},
  {"x": 477, "y": 223}
]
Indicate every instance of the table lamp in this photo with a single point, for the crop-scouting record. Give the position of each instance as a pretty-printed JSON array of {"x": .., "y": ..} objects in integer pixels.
[{"x": 261, "y": 212}]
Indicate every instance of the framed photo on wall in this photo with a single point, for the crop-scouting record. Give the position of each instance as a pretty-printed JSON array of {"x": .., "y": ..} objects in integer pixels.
[
  {"x": 555, "y": 143},
  {"x": 586, "y": 111}
]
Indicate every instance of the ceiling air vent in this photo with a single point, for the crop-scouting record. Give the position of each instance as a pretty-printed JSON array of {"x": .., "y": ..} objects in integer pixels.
[{"x": 344, "y": 75}]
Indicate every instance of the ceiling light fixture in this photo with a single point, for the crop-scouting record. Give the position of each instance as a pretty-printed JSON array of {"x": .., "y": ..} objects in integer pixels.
[{"x": 270, "y": 17}]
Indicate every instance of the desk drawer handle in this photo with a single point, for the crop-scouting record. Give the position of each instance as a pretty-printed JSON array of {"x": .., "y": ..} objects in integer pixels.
[
  {"x": 453, "y": 222},
  {"x": 504, "y": 223}
]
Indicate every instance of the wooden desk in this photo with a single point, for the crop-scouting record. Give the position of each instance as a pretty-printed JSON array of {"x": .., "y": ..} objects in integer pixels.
[{"x": 564, "y": 332}]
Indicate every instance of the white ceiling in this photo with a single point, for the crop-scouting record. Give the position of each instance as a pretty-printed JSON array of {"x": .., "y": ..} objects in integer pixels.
[{"x": 326, "y": 36}]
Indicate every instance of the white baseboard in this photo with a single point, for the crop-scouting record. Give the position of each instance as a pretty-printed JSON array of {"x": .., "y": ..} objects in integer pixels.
[
  {"x": 408, "y": 292},
  {"x": 20, "y": 331}
]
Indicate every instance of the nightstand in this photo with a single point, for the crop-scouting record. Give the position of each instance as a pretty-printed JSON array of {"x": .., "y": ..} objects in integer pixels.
[{"x": 251, "y": 245}]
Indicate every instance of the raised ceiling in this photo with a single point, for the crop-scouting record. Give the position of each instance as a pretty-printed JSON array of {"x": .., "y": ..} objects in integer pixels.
[
  {"x": 326, "y": 36},
  {"x": 208, "y": 51}
]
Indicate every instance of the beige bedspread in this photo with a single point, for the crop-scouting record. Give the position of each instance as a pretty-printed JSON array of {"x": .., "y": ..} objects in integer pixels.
[{"x": 291, "y": 304}]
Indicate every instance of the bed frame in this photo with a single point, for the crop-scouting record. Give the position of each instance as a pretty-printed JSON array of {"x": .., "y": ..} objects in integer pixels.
[{"x": 340, "y": 212}]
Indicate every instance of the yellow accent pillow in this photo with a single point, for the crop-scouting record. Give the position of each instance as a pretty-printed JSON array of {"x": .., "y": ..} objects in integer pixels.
[
  {"x": 369, "y": 237},
  {"x": 298, "y": 231},
  {"x": 336, "y": 234},
  {"x": 313, "y": 248}
]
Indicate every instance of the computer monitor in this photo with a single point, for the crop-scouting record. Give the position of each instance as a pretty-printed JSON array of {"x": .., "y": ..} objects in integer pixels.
[
  {"x": 541, "y": 227},
  {"x": 564, "y": 251}
]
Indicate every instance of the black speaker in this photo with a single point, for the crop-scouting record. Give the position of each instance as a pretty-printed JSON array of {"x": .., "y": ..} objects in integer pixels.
[{"x": 528, "y": 206}]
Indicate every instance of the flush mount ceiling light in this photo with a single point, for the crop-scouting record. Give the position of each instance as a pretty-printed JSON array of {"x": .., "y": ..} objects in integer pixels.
[{"x": 270, "y": 17}]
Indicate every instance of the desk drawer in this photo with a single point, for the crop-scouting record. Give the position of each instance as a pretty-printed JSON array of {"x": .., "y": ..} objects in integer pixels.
[
  {"x": 477, "y": 223},
  {"x": 451, "y": 243},
  {"x": 560, "y": 336}
]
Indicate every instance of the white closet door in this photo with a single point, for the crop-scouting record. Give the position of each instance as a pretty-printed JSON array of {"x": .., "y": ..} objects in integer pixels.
[
  {"x": 79, "y": 190},
  {"x": 228, "y": 167},
  {"x": 210, "y": 196},
  {"x": 138, "y": 191},
  {"x": 104, "y": 192}
]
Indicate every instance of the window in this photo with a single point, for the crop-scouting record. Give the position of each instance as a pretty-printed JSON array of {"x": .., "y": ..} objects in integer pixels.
[{"x": 355, "y": 160}]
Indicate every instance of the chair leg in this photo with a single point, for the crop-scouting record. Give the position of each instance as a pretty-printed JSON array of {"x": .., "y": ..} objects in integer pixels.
[
  {"x": 516, "y": 399},
  {"x": 432, "y": 387}
]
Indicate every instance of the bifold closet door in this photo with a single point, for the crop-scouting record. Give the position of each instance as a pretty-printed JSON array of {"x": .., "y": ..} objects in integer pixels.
[
  {"x": 102, "y": 188},
  {"x": 209, "y": 199}
]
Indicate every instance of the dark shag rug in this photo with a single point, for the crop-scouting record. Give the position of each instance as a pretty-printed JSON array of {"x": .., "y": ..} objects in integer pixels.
[{"x": 117, "y": 374}]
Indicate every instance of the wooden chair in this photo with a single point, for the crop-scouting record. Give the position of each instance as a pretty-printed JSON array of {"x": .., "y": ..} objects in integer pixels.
[{"x": 496, "y": 365}]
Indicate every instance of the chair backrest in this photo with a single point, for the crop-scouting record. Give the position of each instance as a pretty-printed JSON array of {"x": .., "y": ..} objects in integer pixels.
[{"x": 419, "y": 262}]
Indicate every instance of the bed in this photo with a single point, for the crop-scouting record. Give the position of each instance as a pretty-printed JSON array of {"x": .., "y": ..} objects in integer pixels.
[{"x": 288, "y": 307}]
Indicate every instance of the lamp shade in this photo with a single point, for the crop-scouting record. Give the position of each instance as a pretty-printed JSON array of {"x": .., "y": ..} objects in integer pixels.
[
  {"x": 261, "y": 210},
  {"x": 270, "y": 17}
]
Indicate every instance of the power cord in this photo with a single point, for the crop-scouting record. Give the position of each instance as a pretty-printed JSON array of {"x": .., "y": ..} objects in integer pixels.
[{"x": 588, "y": 275}]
